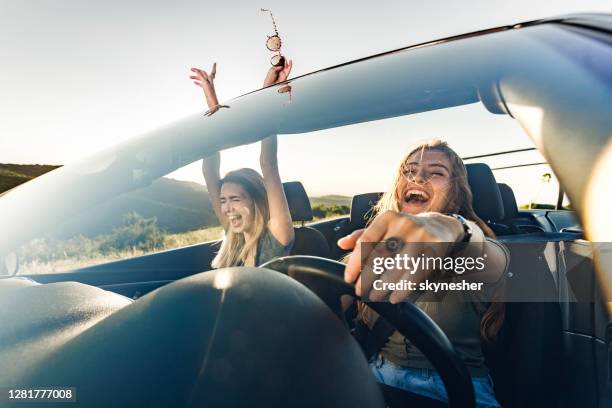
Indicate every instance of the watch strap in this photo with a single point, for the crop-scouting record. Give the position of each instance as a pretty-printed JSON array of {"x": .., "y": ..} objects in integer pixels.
[{"x": 467, "y": 228}]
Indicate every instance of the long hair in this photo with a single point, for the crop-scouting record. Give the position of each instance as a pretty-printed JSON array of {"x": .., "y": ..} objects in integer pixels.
[
  {"x": 459, "y": 202},
  {"x": 234, "y": 248}
]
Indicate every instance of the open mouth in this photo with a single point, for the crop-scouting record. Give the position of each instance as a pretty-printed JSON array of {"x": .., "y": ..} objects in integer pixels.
[
  {"x": 235, "y": 220},
  {"x": 416, "y": 196}
]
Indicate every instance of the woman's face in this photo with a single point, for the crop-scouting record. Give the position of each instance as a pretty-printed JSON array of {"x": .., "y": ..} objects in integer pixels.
[
  {"x": 237, "y": 206},
  {"x": 425, "y": 183}
]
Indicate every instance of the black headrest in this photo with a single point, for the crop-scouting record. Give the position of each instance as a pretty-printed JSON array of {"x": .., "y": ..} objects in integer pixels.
[
  {"x": 487, "y": 199},
  {"x": 509, "y": 201},
  {"x": 361, "y": 208},
  {"x": 299, "y": 203}
]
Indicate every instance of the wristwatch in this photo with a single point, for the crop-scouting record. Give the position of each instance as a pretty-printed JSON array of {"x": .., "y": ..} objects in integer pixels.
[{"x": 467, "y": 228}]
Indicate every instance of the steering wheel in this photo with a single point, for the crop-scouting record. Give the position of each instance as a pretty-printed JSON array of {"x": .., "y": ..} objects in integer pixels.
[{"x": 325, "y": 278}]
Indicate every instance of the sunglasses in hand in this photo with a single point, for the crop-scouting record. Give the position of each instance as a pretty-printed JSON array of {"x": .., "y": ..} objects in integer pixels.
[{"x": 274, "y": 43}]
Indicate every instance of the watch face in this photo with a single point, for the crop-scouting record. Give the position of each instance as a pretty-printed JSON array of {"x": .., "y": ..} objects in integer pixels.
[
  {"x": 273, "y": 43},
  {"x": 277, "y": 60}
]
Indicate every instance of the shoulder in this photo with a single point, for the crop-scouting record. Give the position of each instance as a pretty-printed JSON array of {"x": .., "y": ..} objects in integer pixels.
[
  {"x": 500, "y": 251},
  {"x": 268, "y": 237}
]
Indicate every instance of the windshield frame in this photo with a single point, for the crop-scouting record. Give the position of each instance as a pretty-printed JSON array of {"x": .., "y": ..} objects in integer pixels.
[{"x": 483, "y": 64}]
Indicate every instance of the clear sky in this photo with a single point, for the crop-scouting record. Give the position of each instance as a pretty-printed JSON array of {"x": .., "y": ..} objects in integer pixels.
[{"x": 77, "y": 76}]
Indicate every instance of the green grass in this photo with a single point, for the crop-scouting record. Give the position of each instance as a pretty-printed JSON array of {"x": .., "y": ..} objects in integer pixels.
[
  {"x": 330, "y": 200},
  {"x": 42, "y": 256},
  {"x": 12, "y": 175},
  {"x": 54, "y": 256}
]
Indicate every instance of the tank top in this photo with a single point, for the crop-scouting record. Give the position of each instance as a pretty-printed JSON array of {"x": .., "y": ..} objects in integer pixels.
[
  {"x": 269, "y": 248},
  {"x": 458, "y": 314}
]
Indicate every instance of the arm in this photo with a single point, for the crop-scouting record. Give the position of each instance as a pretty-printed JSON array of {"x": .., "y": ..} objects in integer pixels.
[
  {"x": 497, "y": 257},
  {"x": 436, "y": 228},
  {"x": 280, "y": 225},
  {"x": 207, "y": 83},
  {"x": 210, "y": 169},
  {"x": 211, "y": 164},
  {"x": 498, "y": 260}
]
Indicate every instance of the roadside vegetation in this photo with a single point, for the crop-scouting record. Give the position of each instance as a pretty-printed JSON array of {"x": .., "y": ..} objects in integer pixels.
[
  {"x": 168, "y": 214},
  {"x": 137, "y": 236},
  {"x": 322, "y": 211}
]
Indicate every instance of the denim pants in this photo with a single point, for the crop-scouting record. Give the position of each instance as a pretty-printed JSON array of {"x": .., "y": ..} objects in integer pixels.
[{"x": 427, "y": 382}]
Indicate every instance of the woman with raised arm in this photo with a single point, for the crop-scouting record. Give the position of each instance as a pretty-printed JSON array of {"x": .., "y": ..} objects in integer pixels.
[
  {"x": 428, "y": 213},
  {"x": 252, "y": 209}
]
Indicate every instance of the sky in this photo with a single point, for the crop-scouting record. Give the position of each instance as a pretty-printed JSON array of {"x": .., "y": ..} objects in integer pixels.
[{"x": 78, "y": 76}]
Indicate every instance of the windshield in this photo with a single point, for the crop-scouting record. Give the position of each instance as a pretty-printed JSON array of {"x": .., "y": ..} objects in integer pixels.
[
  {"x": 175, "y": 211},
  {"x": 146, "y": 195}
]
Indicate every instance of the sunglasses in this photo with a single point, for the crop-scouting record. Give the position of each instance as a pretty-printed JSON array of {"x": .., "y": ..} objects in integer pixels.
[{"x": 274, "y": 43}]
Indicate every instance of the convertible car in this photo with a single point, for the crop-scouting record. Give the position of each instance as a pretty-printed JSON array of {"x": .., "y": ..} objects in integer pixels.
[{"x": 155, "y": 326}]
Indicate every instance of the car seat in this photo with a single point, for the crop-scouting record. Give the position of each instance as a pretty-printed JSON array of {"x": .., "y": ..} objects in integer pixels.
[
  {"x": 525, "y": 359},
  {"x": 308, "y": 241},
  {"x": 362, "y": 207},
  {"x": 486, "y": 197},
  {"x": 518, "y": 222}
]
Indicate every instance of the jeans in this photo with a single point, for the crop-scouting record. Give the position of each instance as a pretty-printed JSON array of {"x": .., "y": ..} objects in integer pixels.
[{"x": 427, "y": 382}]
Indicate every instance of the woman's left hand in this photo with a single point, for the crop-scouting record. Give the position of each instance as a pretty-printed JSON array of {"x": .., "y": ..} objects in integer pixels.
[
  {"x": 276, "y": 75},
  {"x": 413, "y": 230}
]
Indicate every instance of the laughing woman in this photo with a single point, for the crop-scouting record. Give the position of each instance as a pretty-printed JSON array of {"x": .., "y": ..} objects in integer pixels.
[
  {"x": 431, "y": 202},
  {"x": 252, "y": 209}
]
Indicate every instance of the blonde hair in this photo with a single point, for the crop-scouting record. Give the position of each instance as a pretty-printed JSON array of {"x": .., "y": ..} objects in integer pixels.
[
  {"x": 459, "y": 195},
  {"x": 459, "y": 202},
  {"x": 235, "y": 249}
]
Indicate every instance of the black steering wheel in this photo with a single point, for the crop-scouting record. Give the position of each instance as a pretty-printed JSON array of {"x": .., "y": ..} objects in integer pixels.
[{"x": 325, "y": 278}]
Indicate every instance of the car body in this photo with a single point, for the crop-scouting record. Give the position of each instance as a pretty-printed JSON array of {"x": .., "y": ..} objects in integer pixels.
[{"x": 553, "y": 77}]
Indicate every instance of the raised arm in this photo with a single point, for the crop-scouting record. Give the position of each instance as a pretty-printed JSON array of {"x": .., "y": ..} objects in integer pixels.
[
  {"x": 210, "y": 169},
  {"x": 207, "y": 83},
  {"x": 211, "y": 164},
  {"x": 280, "y": 225}
]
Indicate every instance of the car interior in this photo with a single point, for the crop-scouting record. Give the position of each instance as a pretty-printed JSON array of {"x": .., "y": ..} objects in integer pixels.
[
  {"x": 552, "y": 351},
  {"x": 538, "y": 340}
]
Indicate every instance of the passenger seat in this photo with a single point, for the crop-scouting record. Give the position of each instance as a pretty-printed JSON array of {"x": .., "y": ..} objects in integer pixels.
[
  {"x": 362, "y": 206},
  {"x": 308, "y": 241},
  {"x": 517, "y": 222}
]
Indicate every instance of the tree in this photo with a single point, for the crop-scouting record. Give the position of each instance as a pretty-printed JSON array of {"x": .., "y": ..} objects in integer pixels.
[{"x": 136, "y": 233}]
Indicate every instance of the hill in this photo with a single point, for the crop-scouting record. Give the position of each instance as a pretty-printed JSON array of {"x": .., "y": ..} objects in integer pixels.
[
  {"x": 178, "y": 206},
  {"x": 330, "y": 200},
  {"x": 12, "y": 175}
]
